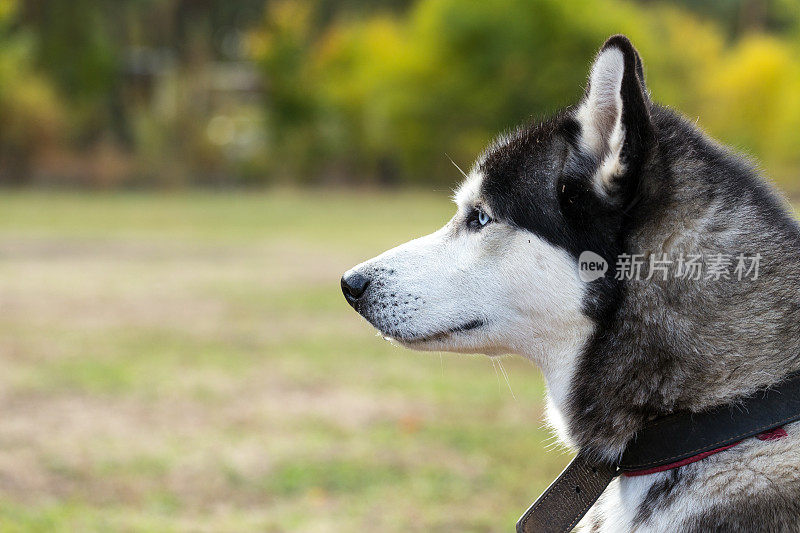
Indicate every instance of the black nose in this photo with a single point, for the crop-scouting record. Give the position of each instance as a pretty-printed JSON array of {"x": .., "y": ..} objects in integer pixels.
[{"x": 353, "y": 285}]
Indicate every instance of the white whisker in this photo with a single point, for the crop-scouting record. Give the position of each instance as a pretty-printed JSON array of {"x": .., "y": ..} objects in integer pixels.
[
  {"x": 496, "y": 375},
  {"x": 456, "y": 165},
  {"x": 505, "y": 375}
]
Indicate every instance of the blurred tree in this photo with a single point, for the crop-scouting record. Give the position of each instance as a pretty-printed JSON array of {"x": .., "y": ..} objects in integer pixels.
[
  {"x": 740, "y": 16},
  {"x": 30, "y": 111},
  {"x": 74, "y": 44},
  {"x": 360, "y": 91},
  {"x": 760, "y": 80},
  {"x": 388, "y": 95}
]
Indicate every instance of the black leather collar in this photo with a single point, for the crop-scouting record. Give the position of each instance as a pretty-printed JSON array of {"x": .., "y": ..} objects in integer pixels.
[{"x": 661, "y": 442}]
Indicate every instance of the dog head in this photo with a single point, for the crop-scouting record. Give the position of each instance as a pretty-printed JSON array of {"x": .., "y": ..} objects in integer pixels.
[
  {"x": 614, "y": 174},
  {"x": 502, "y": 275}
]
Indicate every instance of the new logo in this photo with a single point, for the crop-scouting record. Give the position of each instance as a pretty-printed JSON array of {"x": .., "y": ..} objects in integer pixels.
[{"x": 591, "y": 266}]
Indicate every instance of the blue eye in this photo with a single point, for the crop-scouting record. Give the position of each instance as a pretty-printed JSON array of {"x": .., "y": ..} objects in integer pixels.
[{"x": 477, "y": 219}]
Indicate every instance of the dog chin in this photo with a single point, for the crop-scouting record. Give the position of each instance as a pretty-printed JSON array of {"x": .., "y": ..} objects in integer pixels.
[
  {"x": 443, "y": 344},
  {"x": 455, "y": 339},
  {"x": 420, "y": 346},
  {"x": 418, "y": 342}
]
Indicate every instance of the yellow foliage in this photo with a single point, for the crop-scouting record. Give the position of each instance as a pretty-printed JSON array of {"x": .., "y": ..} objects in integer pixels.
[
  {"x": 30, "y": 110},
  {"x": 448, "y": 75},
  {"x": 751, "y": 97},
  {"x": 8, "y": 8},
  {"x": 292, "y": 16}
]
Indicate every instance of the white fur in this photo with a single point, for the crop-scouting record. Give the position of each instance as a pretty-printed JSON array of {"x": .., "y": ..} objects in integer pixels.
[
  {"x": 603, "y": 105},
  {"x": 526, "y": 290},
  {"x": 748, "y": 468},
  {"x": 529, "y": 294}
]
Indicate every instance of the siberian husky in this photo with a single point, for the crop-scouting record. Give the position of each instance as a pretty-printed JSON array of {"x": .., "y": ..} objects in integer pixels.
[{"x": 611, "y": 178}]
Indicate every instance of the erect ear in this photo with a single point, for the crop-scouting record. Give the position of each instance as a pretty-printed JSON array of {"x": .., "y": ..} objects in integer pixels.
[{"x": 614, "y": 115}]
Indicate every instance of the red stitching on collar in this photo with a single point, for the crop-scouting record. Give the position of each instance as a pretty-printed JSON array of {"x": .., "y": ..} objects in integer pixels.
[{"x": 772, "y": 434}]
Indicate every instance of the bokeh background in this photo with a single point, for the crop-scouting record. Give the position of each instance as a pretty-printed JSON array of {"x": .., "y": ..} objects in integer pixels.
[{"x": 182, "y": 183}]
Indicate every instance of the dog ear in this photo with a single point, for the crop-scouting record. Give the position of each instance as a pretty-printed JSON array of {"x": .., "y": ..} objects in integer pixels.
[{"x": 614, "y": 115}]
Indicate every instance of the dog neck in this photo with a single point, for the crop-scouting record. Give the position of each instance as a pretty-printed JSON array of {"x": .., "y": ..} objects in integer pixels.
[
  {"x": 666, "y": 344},
  {"x": 604, "y": 384},
  {"x": 622, "y": 380},
  {"x": 557, "y": 354}
]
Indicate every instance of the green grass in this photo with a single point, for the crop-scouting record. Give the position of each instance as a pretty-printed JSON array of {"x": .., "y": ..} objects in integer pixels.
[{"x": 187, "y": 363}]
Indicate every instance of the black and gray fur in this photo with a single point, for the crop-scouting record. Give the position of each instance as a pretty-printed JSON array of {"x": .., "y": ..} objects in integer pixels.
[
  {"x": 662, "y": 345},
  {"x": 675, "y": 344}
]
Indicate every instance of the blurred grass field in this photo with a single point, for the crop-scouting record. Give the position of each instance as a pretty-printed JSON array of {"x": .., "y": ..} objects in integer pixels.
[{"x": 187, "y": 363}]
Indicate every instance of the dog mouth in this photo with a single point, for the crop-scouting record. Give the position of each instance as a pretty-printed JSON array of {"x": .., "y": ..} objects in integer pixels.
[{"x": 441, "y": 335}]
